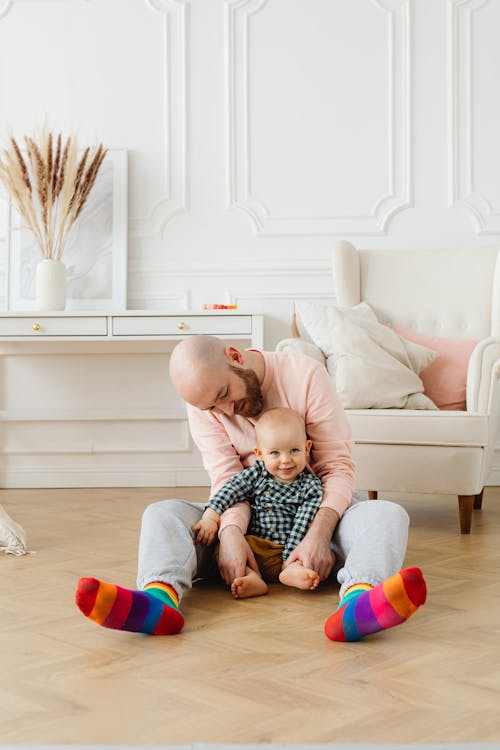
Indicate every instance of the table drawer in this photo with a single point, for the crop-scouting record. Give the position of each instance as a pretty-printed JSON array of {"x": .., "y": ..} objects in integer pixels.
[
  {"x": 179, "y": 325},
  {"x": 40, "y": 326}
]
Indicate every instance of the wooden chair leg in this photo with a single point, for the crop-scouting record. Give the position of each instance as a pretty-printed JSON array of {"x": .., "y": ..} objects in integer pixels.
[
  {"x": 372, "y": 494},
  {"x": 478, "y": 500},
  {"x": 465, "y": 507}
]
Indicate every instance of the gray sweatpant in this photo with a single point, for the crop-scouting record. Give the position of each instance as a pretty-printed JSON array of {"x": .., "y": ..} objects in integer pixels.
[{"x": 369, "y": 544}]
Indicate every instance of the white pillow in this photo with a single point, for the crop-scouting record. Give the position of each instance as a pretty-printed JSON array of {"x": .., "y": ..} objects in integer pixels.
[
  {"x": 299, "y": 346},
  {"x": 311, "y": 316},
  {"x": 372, "y": 366}
]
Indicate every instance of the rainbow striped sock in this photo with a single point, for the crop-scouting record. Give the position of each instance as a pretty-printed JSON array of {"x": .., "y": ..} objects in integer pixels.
[
  {"x": 362, "y": 612},
  {"x": 154, "y": 610}
]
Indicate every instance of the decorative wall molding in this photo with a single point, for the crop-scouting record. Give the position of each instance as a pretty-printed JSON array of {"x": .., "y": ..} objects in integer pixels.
[
  {"x": 175, "y": 98},
  {"x": 174, "y": 93},
  {"x": 4, "y": 249},
  {"x": 4, "y": 215},
  {"x": 104, "y": 476},
  {"x": 398, "y": 195},
  {"x": 223, "y": 269},
  {"x": 148, "y": 280},
  {"x": 282, "y": 296},
  {"x": 182, "y": 301},
  {"x": 494, "y": 477},
  {"x": 7, "y": 5},
  {"x": 108, "y": 450},
  {"x": 463, "y": 192},
  {"x": 93, "y": 415},
  {"x": 104, "y": 450}
]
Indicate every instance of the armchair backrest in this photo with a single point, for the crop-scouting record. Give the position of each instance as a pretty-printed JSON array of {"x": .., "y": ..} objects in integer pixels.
[{"x": 449, "y": 293}]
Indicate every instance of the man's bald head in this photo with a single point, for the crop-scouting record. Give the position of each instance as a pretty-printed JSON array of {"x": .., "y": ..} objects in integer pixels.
[
  {"x": 208, "y": 374},
  {"x": 193, "y": 360},
  {"x": 194, "y": 351}
]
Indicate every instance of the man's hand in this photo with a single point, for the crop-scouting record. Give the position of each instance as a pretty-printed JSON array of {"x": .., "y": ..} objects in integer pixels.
[
  {"x": 234, "y": 554},
  {"x": 318, "y": 557},
  {"x": 314, "y": 550}
]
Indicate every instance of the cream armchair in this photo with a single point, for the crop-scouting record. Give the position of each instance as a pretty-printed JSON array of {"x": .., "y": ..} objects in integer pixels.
[{"x": 451, "y": 294}]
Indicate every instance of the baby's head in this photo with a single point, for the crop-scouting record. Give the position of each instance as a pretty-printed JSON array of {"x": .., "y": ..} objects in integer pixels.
[{"x": 282, "y": 443}]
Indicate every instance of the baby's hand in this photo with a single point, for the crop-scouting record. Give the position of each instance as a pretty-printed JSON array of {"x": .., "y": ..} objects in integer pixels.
[{"x": 205, "y": 530}]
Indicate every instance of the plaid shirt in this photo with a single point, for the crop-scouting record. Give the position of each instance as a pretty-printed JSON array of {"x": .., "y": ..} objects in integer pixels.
[{"x": 281, "y": 512}]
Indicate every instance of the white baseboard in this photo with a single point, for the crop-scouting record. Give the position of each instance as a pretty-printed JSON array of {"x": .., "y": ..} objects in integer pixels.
[{"x": 494, "y": 477}]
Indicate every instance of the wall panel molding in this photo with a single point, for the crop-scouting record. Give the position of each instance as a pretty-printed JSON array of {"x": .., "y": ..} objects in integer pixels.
[
  {"x": 175, "y": 119},
  {"x": 398, "y": 193},
  {"x": 139, "y": 300},
  {"x": 110, "y": 475},
  {"x": 282, "y": 296},
  {"x": 4, "y": 215},
  {"x": 7, "y": 5},
  {"x": 224, "y": 269},
  {"x": 174, "y": 97},
  {"x": 189, "y": 285},
  {"x": 462, "y": 189}
]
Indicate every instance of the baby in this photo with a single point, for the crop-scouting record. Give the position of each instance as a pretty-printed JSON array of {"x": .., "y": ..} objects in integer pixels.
[{"x": 284, "y": 497}]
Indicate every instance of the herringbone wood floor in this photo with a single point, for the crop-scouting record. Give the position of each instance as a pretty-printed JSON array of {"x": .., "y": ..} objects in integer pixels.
[{"x": 258, "y": 670}]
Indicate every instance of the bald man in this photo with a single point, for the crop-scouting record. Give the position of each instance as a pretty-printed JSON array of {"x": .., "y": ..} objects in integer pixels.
[{"x": 363, "y": 542}]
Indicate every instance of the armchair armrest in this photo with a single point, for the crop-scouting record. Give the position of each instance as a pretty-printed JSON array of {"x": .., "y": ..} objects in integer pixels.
[
  {"x": 482, "y": 375},
  {"x": 484, "y": 380},
  {"x": 300, "y": 346}
]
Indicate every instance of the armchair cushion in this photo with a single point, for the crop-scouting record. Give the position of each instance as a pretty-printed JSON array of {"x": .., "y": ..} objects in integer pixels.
[
  {"x": 372, "y": 366},
  {"x": 445, "y": 379},
  {"x": 398, "y": 427}
]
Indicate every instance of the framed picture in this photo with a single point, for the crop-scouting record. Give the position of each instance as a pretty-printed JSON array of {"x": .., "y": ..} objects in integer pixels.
[{"x": 95, "y": 255}]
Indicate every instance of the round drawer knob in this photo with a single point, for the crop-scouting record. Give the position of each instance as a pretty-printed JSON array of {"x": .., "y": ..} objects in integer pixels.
[
  {"x": 181, "y": 326},
  {"x": 36, "y": 326}
]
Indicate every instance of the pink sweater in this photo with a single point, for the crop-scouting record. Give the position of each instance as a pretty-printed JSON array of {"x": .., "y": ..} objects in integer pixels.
[{"x": 227, "y": 443}]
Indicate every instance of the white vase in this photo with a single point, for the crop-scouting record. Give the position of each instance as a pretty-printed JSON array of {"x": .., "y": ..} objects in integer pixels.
[{"x": 50, "y": 285}]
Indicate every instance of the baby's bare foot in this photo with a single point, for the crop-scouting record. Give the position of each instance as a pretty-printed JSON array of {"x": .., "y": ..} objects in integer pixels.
[
  {"x": 299, "y": 577},
  {"x": 248, "y": 585}
]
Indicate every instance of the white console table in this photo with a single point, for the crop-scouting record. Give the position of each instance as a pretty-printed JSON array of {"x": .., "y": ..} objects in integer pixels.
[
  {"x": 86, "y": 401},
  {"x": 147, "y": 325}
]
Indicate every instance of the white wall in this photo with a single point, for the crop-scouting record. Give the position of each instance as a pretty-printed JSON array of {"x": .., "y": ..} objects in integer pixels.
[{"x": 260, "y": 130}]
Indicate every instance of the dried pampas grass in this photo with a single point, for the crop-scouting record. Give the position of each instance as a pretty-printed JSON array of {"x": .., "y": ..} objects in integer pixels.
[{"x": 49, "y": 185}]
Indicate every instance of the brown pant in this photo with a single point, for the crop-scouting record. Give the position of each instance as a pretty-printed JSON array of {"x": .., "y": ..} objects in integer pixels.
[{"x": 267, "y": 555}]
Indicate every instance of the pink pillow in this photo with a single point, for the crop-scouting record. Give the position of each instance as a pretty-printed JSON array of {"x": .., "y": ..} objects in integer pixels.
[{"x": 444, "y": 379}]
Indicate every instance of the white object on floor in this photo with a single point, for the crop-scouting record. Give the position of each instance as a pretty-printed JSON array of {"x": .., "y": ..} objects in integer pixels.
[{"x": 12, "y": 535}]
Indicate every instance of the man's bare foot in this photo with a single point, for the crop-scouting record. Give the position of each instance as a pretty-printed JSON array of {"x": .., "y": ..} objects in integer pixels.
[
  {"x": 299, "y": 577},
  {"x": 250, "y": 584}
]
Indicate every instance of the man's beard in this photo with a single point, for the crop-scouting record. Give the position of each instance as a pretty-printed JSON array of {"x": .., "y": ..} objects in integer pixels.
[{"x": 253, "y": 403}]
